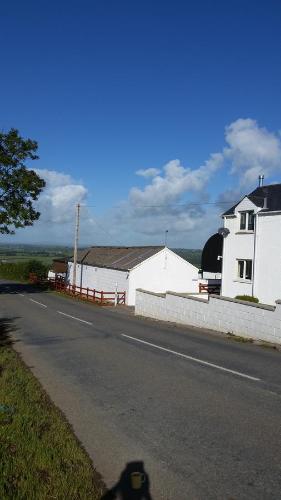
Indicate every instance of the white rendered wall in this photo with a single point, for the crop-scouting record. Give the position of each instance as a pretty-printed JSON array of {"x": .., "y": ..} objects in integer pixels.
[
  {"x": 99, "y": 278},
  {"x": 267, "y": 279},
  {"x": 161, "y": 272},
  {"x": 257, "y": 321},
  {"x": 236, "y": 245}
]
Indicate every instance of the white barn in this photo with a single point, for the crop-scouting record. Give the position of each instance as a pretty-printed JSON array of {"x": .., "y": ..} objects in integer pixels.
[{"x": 153, "y": 268}]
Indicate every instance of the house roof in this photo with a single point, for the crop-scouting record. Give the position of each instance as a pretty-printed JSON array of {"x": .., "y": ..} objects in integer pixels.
[
  {"x": 122, "y": 258},
  {"x": 273, "y": 194}
]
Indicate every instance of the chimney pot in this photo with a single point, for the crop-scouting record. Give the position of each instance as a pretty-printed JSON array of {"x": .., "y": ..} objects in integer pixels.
[{"x": 261, "y": 179}]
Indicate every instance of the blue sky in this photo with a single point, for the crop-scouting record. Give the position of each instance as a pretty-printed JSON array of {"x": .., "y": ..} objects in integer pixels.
[{"x": 111, "y": 88}]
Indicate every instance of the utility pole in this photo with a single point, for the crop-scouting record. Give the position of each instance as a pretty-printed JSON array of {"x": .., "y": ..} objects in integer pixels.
[{"x": 76, "y": 244}]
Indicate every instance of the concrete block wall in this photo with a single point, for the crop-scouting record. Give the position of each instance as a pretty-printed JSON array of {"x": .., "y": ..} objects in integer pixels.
[{"x": 249, "y": 320}]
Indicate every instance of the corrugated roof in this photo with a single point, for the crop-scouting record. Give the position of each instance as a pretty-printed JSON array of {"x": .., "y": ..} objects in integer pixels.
[
  {"x": 273, "y": 194},
  {"x": 122, "y": 258}
]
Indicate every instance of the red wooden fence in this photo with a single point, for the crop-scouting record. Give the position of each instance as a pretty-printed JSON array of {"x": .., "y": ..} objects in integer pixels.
[
  {"x": 90, "y": 294},
  {"x": 100, "y": 297}
]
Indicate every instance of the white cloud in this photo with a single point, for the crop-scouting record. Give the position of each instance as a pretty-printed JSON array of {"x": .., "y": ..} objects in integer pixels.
[
  {"x": 161, "y": 204},
  {"x": 57, "y": 201},
  {"x": 148, "y": 172},
  {"x": 251, "y": 151},
  {"x": 175, "y": 181}
]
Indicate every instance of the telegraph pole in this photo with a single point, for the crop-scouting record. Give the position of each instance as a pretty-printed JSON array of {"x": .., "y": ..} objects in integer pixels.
[{"x": 76, "y": 243}]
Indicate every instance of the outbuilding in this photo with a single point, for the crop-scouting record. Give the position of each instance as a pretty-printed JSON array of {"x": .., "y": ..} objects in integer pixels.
[
  {"x": 153, "y": 268},
  {"x": 58, "y": 269}
]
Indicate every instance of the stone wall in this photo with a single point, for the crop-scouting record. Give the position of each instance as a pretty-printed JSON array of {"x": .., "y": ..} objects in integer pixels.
[{"x": 250, "y": 320}]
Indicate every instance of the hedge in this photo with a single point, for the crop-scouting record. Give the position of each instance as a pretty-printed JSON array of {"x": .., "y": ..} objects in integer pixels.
[
  {"x": 247, "y": 298},
  {"x": 21, "y": 270}
]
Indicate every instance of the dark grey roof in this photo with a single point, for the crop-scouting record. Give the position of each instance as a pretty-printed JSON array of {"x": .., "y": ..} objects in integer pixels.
[
  {"x": 122, "y": 258},
  {"x": 271, "y": 192}
]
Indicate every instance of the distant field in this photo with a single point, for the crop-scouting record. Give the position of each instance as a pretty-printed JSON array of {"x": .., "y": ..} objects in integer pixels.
[
  {"x": 22, "y": 253},
  {"x": 46, "y": 259}
]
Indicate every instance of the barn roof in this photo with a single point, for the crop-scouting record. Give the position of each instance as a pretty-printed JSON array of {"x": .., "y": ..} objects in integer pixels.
[{"x": 122, "y": 258}]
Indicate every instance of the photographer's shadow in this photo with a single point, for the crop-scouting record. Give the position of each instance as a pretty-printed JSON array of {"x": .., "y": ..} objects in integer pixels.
[{"x": 132, "y": 485}]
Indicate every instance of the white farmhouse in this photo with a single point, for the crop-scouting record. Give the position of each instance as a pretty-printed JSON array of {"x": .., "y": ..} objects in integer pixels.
[
  {"x": 252, "y": 246},
  {"x": 153, "y": 268}
]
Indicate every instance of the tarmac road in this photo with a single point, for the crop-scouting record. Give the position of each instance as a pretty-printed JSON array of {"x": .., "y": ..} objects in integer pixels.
[{"x": 201, "y": 411}]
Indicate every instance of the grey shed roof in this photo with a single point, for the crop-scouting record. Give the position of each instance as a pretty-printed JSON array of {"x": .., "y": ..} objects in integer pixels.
[
  {"x": 122, "y": 258},
  {"x": 273, "y": 194}
]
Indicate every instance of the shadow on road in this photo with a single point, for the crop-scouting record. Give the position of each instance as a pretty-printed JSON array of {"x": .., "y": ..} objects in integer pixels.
[
  {"x": 6, "y": 327},
  {"x": 132, "y": 485},
  {"x": 10, "y": 287}
]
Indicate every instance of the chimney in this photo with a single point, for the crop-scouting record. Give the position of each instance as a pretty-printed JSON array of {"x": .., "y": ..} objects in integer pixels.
[{"x": 261, "y": 179}]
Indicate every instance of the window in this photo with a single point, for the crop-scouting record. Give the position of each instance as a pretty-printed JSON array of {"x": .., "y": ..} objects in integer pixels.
[
  {"x": 247, "y": 221},
  {"x": 243, "y": 220},
  {"x": 251, "y": 221},
  {"x": 245, "y": 269}
]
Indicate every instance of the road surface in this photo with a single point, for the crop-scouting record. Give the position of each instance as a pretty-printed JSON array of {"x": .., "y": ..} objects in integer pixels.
[{"x": 201, "y": 411}]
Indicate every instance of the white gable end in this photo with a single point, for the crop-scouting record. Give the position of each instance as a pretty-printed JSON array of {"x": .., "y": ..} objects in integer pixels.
[
  {"x": 246, "y": 205},
  {"x": 162, "y": 272}
]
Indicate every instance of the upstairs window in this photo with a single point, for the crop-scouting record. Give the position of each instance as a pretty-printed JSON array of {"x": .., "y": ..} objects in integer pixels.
[
  {"x": 245, "y": 269},
  {"x": 243, "y": 220},
  {"x": 247, "y": 221}
]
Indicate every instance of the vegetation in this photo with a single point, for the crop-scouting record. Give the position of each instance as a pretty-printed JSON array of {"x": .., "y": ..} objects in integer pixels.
[
  {"x": 21, "y": 253},
  {"x": 192, "y": 256},
  {"x": 40, "y": 458},
  {"x": 19, "y": 186},
  {"x": 247, "y": 298},
  {"x": 21, "y": 270}
]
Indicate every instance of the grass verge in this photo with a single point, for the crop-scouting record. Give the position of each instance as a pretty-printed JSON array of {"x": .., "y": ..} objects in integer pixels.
[{"x": 40, "y": 458}]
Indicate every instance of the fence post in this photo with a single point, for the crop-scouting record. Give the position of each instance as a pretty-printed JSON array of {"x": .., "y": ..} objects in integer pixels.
[
  {"x": 101, "y": 298},
  {"x": 87, "y": 293},
  {"x": 94, "y": 295},
  {"x": 116, "y": 295}
]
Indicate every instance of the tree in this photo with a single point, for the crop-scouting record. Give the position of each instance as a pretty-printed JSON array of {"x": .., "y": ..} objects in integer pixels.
[{"x": 19, "y": 186}]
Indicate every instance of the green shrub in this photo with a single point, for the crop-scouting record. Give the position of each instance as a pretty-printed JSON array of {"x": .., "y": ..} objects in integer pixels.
[
  {"x": 36, "y": 267},
  {"x": 247, "y": 298},
  {"x": 21, "y": 270}
]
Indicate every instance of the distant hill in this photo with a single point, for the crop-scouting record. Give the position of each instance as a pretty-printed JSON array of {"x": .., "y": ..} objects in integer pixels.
[{"x": 192, "y": 256}]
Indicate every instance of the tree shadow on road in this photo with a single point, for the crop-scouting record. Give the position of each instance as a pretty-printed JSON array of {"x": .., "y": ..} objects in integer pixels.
[
  {"x": 14, "y": 288},
  {"x": 133, "y": 484}
]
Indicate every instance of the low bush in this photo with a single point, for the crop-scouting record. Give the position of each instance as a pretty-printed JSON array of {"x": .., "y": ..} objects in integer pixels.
[{"x": 247, "y": 298}]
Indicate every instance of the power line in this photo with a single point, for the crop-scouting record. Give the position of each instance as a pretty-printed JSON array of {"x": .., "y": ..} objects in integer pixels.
[
  {"x": 106, "y": 232},
  {"x": 174, "y": 204}
]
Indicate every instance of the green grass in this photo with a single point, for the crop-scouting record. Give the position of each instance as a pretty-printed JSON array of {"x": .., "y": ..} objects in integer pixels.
[
  {"x": 247, "y": 298},
  {"x": 40, "y": 458},
  {"x": 45, "y": 259}
]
